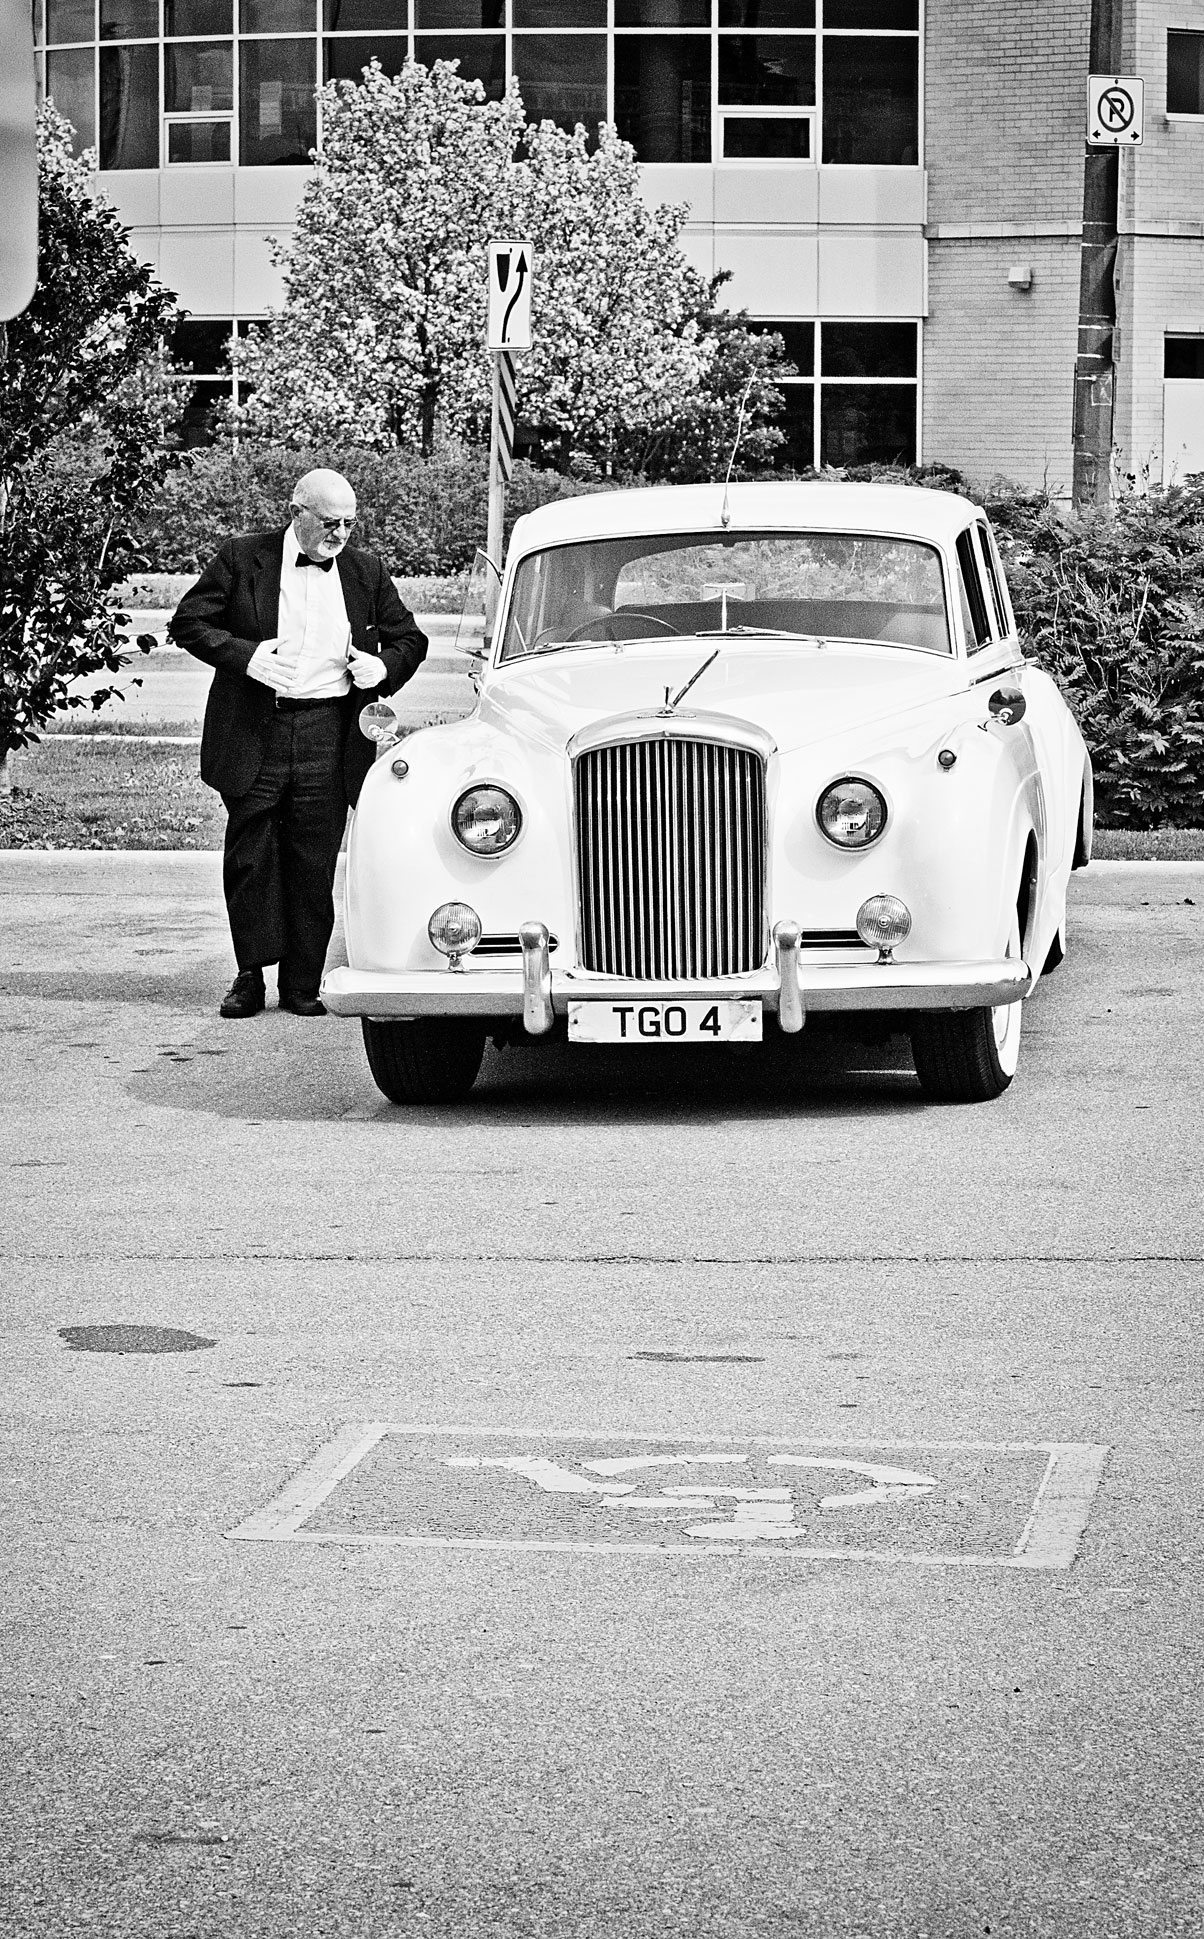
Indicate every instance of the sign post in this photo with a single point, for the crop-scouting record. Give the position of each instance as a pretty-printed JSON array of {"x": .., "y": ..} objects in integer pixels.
[{"x": 510, "y": 269}]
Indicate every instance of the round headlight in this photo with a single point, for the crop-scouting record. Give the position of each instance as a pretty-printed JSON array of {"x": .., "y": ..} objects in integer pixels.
[
  {"x": 455, "y": 928},
  {"x": 851, "y": 812},
  {"x": 486, "y": 820},
  {"x": 884, "y": 922}
]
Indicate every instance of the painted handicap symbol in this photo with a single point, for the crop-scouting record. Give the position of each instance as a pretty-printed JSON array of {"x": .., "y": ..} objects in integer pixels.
[{"x": 709, "y": 1510}]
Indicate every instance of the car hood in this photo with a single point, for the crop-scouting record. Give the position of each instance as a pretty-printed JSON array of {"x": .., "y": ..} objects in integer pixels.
[{"x": 799, "y": 694}]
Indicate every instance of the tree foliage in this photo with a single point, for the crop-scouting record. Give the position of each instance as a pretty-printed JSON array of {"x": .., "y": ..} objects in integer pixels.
[
  {"x": 80, "y": 442},
  {"x": 381, "y": 338}
]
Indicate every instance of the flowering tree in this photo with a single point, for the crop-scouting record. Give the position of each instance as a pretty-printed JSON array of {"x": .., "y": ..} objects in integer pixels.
[
  {"x": 381, "y": 339},
  {"x": 81, "y": 438}
]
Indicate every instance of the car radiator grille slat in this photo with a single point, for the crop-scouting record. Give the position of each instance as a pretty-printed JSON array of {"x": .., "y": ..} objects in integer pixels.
[{"x": 670, "y": 853}]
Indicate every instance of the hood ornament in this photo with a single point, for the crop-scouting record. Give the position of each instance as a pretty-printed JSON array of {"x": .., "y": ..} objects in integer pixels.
[{"x": 671, "y": 706}]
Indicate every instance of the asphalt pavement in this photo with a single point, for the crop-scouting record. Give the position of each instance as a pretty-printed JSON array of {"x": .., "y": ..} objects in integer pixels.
[{"x": 530, "y": 1670}]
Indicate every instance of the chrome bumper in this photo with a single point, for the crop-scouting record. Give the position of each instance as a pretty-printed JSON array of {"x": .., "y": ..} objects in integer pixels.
[{"x": 540, "y": 993}]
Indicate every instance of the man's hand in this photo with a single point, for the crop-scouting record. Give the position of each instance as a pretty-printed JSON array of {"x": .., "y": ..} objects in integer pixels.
[
  {"x": 366, "y": 669},
  {"x": 267, "y": 669}
]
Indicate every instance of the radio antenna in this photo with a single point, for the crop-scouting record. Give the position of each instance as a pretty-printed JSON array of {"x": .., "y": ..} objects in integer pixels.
[{"x": 725, "y": 516}]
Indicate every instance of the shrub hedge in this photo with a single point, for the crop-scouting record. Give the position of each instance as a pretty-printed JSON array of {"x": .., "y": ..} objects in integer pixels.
[{"x": 1111, "y": 602}]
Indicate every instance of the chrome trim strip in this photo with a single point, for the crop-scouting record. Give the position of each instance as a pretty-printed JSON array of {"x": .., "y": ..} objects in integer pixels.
[{"x": 725, "y": 730}]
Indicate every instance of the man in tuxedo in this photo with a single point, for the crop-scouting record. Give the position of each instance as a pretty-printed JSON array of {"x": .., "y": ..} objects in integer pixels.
[{"x": 302, "y": 630}]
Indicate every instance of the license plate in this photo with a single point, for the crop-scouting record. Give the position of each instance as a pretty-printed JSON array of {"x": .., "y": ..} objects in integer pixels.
[{"x": 734, "y": 1020}]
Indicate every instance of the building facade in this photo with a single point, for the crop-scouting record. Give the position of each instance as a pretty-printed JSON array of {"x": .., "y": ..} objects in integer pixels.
[{"x": 896, "y": 185}]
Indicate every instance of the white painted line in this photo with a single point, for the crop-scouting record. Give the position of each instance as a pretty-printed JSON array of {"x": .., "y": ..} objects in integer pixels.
[
  {"x": 282, "y": 1517},
  {"x": 1049, "y": 1540}
]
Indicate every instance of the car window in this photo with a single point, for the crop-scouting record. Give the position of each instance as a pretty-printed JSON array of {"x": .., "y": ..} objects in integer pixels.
[
  {"x": 992, "y": 578},
  {"x": 974, "y": 603},
  {"x": 833, "y": 585}
]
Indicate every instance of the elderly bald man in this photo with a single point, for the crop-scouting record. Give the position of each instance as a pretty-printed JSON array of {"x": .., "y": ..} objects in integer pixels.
[{"x": 302, "y": 630}]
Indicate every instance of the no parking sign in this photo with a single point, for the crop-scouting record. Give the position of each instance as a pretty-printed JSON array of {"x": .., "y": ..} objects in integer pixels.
[{"x": 1115, "y": 110}]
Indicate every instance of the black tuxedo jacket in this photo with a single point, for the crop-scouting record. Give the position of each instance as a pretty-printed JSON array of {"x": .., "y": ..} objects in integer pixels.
[{"x": 233, "y": 607}]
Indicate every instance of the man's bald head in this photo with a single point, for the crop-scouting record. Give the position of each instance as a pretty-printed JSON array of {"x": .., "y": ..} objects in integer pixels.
[{"x": 323, "y": 509}]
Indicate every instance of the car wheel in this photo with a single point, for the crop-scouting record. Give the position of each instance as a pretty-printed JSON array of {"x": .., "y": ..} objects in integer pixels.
[
  {"x": 429, "y": 1061},
  {"x": 969, "y": 1056}
]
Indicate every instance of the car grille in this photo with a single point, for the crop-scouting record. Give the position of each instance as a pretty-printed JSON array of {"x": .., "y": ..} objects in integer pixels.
[{"x": 671, "y": 858}]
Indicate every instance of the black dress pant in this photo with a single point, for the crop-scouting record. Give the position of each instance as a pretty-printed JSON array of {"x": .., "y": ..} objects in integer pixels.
[{"x": 282, "y": 846}]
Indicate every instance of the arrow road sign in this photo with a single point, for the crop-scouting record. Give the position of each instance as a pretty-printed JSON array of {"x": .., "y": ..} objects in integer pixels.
[
  {"x": 1115, "y": 110},
  {"x": 510, "y": 266}
]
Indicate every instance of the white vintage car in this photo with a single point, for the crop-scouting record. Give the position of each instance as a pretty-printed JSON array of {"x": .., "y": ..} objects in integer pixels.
[{"x": 740, "y": 754}]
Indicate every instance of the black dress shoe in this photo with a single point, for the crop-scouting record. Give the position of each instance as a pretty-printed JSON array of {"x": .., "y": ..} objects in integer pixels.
[
  {"x": 302, "y": 1006},
  {"x": 244, "y": 998}
]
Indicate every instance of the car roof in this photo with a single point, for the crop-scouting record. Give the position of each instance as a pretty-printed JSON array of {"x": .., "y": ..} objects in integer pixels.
[{"x": 909, "y": 510}]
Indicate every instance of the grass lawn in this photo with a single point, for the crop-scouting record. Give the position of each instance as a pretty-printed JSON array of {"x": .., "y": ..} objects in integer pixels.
[{"x": 134, "y": 792}]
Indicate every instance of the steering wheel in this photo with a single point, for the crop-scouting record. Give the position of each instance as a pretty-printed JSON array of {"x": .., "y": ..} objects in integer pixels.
[{"x": 627, "y": 624}]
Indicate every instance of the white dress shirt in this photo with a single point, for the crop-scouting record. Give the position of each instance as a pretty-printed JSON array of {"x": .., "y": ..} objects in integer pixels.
[{"x": 312, "y": 627}]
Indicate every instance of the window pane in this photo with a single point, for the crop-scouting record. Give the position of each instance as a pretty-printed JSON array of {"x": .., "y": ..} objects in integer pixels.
[
  {"x": 70, "y": 20},
  {"x": 872, "y": 13},
  {"x": 198, "y": 141},
  {"x": 346, "y": 59},
  {"x": 798, "y": 338},
  {"x": 663, "y": 96},
  {"x": 766, "y": 138},
  {"x": 560, "y": 13},
  {"x": 459, "y": 13},
  {"x": 129, "y": 19},
  {"x": 203, "y": 346},
  {"x": 767, "y": 13},
  {"x": 562, "y": 78},
  {"x": 276, "y": 16},
  {"x": 197, "y": 17},
  {"x": 129, "y": 107},
  {"x": 863, "y": 424},
  {"x": 797, "y": 420},
  {"x": 871, "y": 101},
  {"x": 198, "y": 403},
  {"x": 355, "y": 16},
  {"x": 38, "y": 12},
  {"x": 70, "y": 84},
  {"x": 1184, "y": 357},
  {"x": 869, "y": 349},
  {"x": 482, "y": 58},
  {"x": 199, "y": 79},
  {"x": 767, "y": 71},
  {"x": 662, "y": 13},
  {"x": 1185, "y": 73},
  {"x": 277, "y": 120}
]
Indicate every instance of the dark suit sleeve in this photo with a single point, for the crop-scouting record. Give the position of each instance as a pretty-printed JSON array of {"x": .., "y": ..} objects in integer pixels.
[
  {"x": 402, "y": 642},
  {"x": 200, "y": 623}
]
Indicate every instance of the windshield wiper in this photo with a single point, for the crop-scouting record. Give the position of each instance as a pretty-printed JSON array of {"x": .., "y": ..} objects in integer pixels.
[{"x": 756, "y": 632}]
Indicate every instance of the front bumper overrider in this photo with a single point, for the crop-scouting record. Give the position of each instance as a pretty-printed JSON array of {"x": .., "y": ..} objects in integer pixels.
[{"x": 788, "y": 988}]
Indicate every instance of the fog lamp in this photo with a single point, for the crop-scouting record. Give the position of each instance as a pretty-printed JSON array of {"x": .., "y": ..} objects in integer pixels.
[
  {"x": 454, "y": 929},
  {"x": 379, "y": 723},
  {"x": 884, "y": 922},
  {"x": 486, "y": 819},
  {"x": 851, "y": 812}
]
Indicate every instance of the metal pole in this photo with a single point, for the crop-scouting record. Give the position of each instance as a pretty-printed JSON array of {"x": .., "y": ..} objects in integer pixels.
[
  {"x": 497, "y": 507},
  {"x": 1094, "y": 370}
]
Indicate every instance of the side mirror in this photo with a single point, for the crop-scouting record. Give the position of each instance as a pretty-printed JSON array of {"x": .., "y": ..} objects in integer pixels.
[
  {"x": 379, "y": 723},
  {"x": 1008, "y": 705}
]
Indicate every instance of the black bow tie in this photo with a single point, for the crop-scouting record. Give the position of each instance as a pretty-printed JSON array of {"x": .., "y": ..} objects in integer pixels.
[{"x": 323, "y": 565}]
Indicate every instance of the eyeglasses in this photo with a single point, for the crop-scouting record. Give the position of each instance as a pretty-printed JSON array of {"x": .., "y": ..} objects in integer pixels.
[{"x": 328, "y": 524}]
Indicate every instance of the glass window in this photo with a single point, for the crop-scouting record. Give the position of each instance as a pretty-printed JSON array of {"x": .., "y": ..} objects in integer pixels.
[
  {"x": 797, "y": 421},
  {"x": 276, "y": 16},
  {"x": 973, "y": 599},
  {"x": 201, "y": 346},
  {"x": 559, "y": 13},
  {"x": 199, "y": 78},
  {"x": 863, "y": 424},
  {"x": 798, "y": 338},
  {"x": 897, "y": 14},
  {"x": 459, "y": 13},
  {"x": 1185, "y": 73},
  {"x": 662, "y": 13},
  {"x": 277, "y": 120},
  {"x": 766, "y": 137},
  {"x": 871, "y": 101},
  {"x": 562, "y": 77},
  {"x": 197, "y": 17},
  {"x": 71, "y": 85},
  {"x": 869, "y": 350},
  {"x": 663, "y": 96},
  {"x": 1000, "y": 626},
  {"x": 198, "y": 141},
  {"x": 482, "y": 58},
  {"x": 767, "y": 71},
  {"x": 70, "y": 20},
  {"x": 1184, "y": 357},
  {"x": 129, "y": 107},
  {"x": 129, "y": 19},
  {"x": 766, "y": 13},
  {"x": 346, "y": 58}
]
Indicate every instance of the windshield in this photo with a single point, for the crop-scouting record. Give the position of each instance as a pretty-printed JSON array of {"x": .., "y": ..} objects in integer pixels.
[{"x": 816, "y": 585}]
